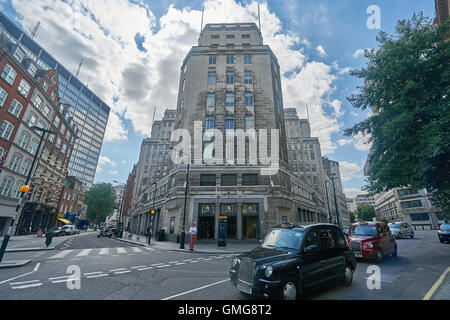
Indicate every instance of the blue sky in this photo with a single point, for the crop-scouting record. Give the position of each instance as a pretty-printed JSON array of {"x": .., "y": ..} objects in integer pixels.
[{"x": 146, "y": 52}]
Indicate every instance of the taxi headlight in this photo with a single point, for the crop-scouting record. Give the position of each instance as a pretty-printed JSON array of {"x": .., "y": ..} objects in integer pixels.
[
  {"x": 268, "y": 271},
  {"x": 369, "y": 244},
  {"x": 235, "y": 262}
]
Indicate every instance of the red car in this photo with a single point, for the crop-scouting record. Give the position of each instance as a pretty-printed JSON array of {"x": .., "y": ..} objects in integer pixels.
[{"x": 371, "y": 240}]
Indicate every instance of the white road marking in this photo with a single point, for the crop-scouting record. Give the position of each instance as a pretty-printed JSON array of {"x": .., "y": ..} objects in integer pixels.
[
  {"x": 122, "y": 272},
  {"x": 66, "y": 280},
  {"x": 84, "y": 253},
  {"x": 164, "y": 266},
  {"x": 58, "y": 278},
  {"x": 179, "y": 264},
  {"x": 23, "y": 275},
  {"x": 104, "y": 251},
  {"x": 23, "y": 282},
  {"x": 174, "y": 262},
  {"x": 114, "y": 270},
  {"x": 146, "y": 268},
  {"x": 195, "y": 261},
  {"x": 137, "y": 267},
  {"x": 149, "y": 249},
  {"x": 28, "y": 286},
  {"x": 137, "y": 250},
  {"x": 156, "y": 264},
  {"x": 187, "y": 260},
  {"x": 92, "y": 273},
  {"x": 97, "y": 276},
  {"x": 61, "y": 254},
  {"x": 121, "y": 250},
  {"x": 187, "y": 292}
]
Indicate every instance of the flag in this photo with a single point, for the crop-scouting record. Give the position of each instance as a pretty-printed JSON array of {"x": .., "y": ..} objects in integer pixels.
[
  {"x": 271, "y": 185},
  {"x": 2, "y": 161}
]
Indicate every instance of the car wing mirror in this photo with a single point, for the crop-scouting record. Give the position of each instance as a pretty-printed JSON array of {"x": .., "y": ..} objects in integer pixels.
[{"x": 312, "y": 249}]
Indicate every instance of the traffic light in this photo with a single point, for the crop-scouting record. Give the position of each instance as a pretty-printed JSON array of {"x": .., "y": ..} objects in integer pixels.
[{"x": 152, "y": 212}]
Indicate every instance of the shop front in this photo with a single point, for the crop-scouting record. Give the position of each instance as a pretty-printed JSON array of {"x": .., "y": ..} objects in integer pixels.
[{"x": 206, "y": 221}]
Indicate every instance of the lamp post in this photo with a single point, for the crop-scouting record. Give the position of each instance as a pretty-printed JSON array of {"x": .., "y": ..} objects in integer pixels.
[
  {"x": 183, "y": 230},
  {"x": 23, "y": 190},
  {"x": 335, "y": 200},
  {"x": 328, "y": 202},
  {"x": 120, "y": 208},
  {"x": 152, "y": 213}
]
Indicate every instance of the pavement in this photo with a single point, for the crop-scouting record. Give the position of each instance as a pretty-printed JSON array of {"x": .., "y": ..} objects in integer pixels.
[{"x": 233, "y": 247}]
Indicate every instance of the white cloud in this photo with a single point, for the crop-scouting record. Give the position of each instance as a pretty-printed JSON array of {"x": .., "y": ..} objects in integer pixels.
[
  {"x": 349, "y": 170},
  {"x": 132, "y": 81},
  {"x": 358, "y": 53},
  {"x": 343, "y": 142},
  {"x": 321, "y": 51},
  {"x": 361, "y": 142},
  {"x": 102, "y": 161},
  {"x": 353, "y": 192},
  {"x": 114, "y": 172}
]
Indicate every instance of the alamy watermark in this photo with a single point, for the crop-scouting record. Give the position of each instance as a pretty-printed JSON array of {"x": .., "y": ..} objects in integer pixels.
[{"x": 374, "y": 20}]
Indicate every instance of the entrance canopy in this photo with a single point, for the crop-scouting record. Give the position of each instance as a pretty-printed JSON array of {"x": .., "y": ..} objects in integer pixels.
[{"x": 64, "y": 221}]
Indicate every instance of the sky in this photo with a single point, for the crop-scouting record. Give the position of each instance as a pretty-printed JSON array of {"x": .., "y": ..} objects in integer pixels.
[{"x": 133, "y": 51}]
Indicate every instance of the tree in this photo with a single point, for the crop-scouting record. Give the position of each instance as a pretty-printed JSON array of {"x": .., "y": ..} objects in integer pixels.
[
  {"x": 101, "y": 201},
  {"x": 407, "y": 85},
  {"x": 365, "y": 212},
  {"x": 352, "y": 216}
]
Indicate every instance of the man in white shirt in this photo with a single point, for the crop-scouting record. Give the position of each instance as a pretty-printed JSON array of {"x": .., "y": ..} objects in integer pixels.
[{"x": 193, "y": 234}]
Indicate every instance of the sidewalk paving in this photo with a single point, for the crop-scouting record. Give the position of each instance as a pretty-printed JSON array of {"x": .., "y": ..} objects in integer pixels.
[{"x": 233, "y": 247}]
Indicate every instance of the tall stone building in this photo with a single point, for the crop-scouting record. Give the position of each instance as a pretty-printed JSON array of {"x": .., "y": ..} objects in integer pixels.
[{"x": 230, "y": 84}]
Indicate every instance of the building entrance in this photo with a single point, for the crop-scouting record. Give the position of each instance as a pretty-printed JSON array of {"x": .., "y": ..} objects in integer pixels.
[{"x": 206, "y": 227}]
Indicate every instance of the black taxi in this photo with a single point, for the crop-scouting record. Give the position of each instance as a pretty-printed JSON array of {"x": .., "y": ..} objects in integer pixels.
[{"x": 294, "y": 259}]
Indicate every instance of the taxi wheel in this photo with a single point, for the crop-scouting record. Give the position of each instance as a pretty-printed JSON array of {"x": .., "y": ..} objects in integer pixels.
[
  {"x": 289, "y": 290},
  {"x": 348, "y": 276}
]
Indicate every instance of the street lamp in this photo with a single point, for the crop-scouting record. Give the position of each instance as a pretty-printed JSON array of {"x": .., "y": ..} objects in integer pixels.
[
  {"x": 24, "y": 189},
  {"x": 183, "y": 230},
  {"x": 335, "y": 200},
  {"x": 118, "y": 226},
  {"x": 153, "y": 212}
]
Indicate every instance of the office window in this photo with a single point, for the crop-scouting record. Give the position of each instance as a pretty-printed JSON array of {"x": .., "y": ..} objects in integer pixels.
[
  {"x": 32, "y": 69},
  {"x": 230, "y": 59},
  {"x": 229, "y": 180},
  {"x": 249, "y": 99},
  {"x": 58, "y": 143},
  {"x": 208, "y": 180},
  {"x": 31, "y": 120},
  {"x": 212, "y": 59},
  {"x": 6, "y": 129},
  {"x": 38, "y": 102},
  {"x": 211, "y": 78},
  {"x": 248, "y": 77},
  {"x": 229, "y": 99},
  {"x": 249, "y": 122},
  {"x": 64, "y": 148},
  {"x": 24, "y": 139},
  {"x": 229, "y": 123},
  {"x": 24, "y": 88},
  {"x": 230, "y": 36},
  {"x": 215, "y": 36},
  {"x": 9, "y": 74},
  {"x": 19, "y": 54},
  {"x": 15, "y": 162},
  {"x": 411, "y": 204},
  {"x": 230, "y": 77},
  {"x": 249, "y": 179},
  {"x": 25, "y": 168},
  {"x": 247, "y": 58},
  {"x": 51, "y": 138},
  {"x": 5, "y": 186},
  {"x": 15, "y": 108},
  {"x": 33, "y": 146},
  {"x": 63, "y": 128},
  {"x": 245, "y": 36},
  {"x": 3, "y": 95},
  {"x": 209, "y": 123},
  {"x": 211, "y": 100}
]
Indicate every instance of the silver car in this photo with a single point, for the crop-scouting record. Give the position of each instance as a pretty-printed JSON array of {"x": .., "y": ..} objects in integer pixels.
[{"x": 401, "y": 230}]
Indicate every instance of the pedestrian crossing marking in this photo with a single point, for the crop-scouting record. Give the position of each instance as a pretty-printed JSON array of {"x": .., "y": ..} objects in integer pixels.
[
  {"x": 84, "y": 253},
  {"x": 135, "y": 249},
  {"x": 61, "y": 254},
  {"x": 121, "y": 250},
  {"x": 104, "y": 251}
]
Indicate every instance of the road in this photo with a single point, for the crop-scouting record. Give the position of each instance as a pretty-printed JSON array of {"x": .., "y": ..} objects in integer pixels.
[{"x": 107, "y": 269}]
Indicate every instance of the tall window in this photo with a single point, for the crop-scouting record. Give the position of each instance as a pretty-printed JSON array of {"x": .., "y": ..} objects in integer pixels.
[
  {"x": 31, "y": 120},
  {"x": 6, "y": 129},
  {"x": 229, "y": 122},
  {"x": 15, "y": 108},
  {"x": 19, "y": 54},
  {"x": 3, "y": 95},
  {"x": 209, "y": 123},
  {"x": 15, "y": 162},
  {"x": 46, "y": 111},
  {"x": 230, "y": 77},
  {"x": 249, "y": 179},
  {"x": 24, "y": 88},
  {"x": 249, "y": 99},
  {"x": 25, "y": 168},
  {"x": 38, "y": 102},
  {"x": 24, "y": 139},
  {"x": 247, "y": 58},
  {"x": 56, "y": 122},
  {"x": 15, "y": 191},
  {"x": 33, "y": 146},
  {"x": 248, "y": 77},
  {"x": 229, "y": 180},
  {"x": 230, "y": 59},
  {"x": 211, "y": 78},
  {"x": 9, "y": 74},
  {"x": 249, "y": 122},
  {"x": 211, "y": 100},
  {"x": 229, "y": 99},
  {"x": 5, "y": 187},
  {"x": 212, "y": 59},
  {"x": 208, "y": 180}
]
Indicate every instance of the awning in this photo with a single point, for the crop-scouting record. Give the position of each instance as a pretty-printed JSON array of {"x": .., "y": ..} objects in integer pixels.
[{"x": 65, "y": 221}]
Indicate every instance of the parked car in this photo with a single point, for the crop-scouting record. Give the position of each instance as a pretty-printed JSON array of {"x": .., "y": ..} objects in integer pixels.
[
  {"x": 70, "y": 229},
  {"x": 58, "y": 232},
  {"x": 444, "y": 232},
  {"x": 372, "y": 240},
  {"x": 401, "y": 229},
  {"x": 292, "y": 260}
]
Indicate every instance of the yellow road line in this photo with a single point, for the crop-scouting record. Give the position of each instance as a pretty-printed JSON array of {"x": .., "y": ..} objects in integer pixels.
[{"x": 436, "y": 285}]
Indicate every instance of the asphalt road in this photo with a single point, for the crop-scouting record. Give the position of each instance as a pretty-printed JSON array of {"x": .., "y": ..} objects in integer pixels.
[{"x": 107, "y": 269}]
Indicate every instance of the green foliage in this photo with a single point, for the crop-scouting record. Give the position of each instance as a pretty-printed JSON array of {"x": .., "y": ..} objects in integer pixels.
[
  {"x": 101, "y": 200},
  {"x": 365, "y": 212},
  {"x": 407, "y": 85},
  {"x": 352, "y": 216}
]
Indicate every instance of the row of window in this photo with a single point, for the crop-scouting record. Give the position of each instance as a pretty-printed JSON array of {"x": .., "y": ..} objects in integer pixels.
[
  {"x": 10, "y": 189},
  {"x": 229, "y": 122},
  {"x": 212, "y": 77},
  {"x": 230, "y": 59},
  {"x": 230, "y": 36},
  {"x": 302, "y": 156},
  {"x": 9, "y": 75},
  {"x": 209, "y": 180},
  {"x": 229, "y": 100}
]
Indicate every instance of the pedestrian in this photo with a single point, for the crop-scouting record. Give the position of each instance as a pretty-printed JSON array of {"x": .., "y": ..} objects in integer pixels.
[
  {"x": 193, "y": 234},
  {"x": 49, "y": 238}
]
